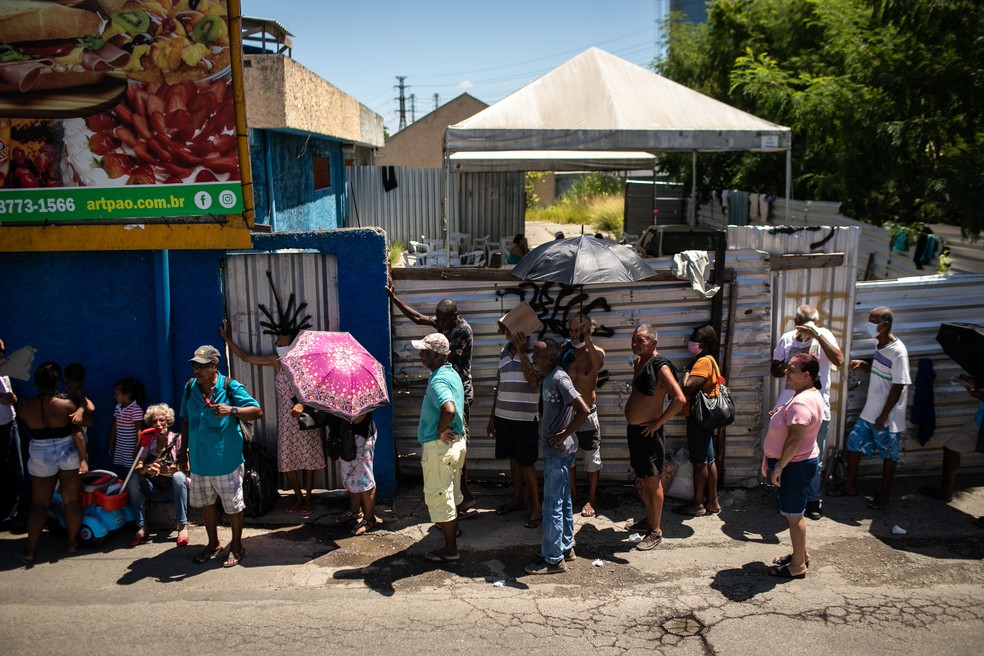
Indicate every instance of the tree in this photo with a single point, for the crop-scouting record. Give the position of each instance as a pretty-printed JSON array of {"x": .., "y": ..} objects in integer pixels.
[{"x": 884, "y": 98}]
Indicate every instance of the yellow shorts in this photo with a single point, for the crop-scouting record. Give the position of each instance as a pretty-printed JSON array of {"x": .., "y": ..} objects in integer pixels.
[{"x": 441, "y": 464}]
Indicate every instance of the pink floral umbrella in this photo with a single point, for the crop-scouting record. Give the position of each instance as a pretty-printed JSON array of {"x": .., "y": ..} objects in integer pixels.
[{"x": 335, "y": 373}]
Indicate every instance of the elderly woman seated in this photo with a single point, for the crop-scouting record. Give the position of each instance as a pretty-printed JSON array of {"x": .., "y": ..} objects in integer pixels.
[{"x": 160, "y": 475}]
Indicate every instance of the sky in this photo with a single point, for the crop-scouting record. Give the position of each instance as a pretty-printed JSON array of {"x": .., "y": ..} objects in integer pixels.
[{"x": 488, "y": 49}]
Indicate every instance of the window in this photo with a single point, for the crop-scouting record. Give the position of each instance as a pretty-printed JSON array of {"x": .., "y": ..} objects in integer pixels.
[{"x": 322, "y": 173}]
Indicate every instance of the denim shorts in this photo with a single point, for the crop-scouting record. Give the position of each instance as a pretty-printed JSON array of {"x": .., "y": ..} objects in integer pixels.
[
  {"x": 868, "y": 440},
  {"x": 794, "y": 483},
  {"x": 700, "y": 443},
  {"x": 48, "y": 457}
]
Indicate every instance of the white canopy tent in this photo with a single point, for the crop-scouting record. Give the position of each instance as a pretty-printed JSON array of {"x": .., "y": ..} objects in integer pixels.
[{"x": 598, "y": 111}]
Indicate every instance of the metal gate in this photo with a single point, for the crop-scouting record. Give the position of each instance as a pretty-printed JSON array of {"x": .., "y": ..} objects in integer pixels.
[{"x": 313, "y": 279}]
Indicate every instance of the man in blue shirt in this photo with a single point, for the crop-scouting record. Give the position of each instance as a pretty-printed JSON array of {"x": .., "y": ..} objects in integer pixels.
[
  {"x": 210, "y": 410},
  {"x": 441, "y": 433}
]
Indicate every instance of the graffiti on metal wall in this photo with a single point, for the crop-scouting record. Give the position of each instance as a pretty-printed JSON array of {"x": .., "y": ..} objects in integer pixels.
[
  {"x": 787, "y": 230},
  {"x": 555, "y": 303}
]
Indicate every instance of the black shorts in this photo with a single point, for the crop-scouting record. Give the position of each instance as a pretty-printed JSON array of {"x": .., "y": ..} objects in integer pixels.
[
  {"x": 646, "y": 454},
  {"x": 517, "y": 439}
]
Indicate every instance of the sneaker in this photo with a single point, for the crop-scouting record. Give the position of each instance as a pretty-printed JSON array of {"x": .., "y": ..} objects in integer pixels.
[
  {"x": 543, "y": 567},
  {"x": 569, "y": 555},
  {"x": 651, "y": 540},
  {"x": 813, "y": 510}
]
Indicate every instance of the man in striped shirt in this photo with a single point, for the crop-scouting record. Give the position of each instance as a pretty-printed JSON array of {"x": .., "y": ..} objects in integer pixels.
[
  {"x": 881, "y": 425},
  {"x": 513, "y": 423}
]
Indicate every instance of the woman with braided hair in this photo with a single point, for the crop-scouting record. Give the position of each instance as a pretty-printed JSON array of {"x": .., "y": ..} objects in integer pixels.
[{"x": 297, "y": 450}]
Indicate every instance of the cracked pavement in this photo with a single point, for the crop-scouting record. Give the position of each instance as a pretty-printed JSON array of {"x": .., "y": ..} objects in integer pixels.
[{"x": 310, "y": 587}]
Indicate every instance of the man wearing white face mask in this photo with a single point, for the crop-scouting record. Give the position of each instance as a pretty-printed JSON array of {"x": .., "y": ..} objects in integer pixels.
[
  {"x": 882, "y": 421},
  {"x": 807, "y": 337}
]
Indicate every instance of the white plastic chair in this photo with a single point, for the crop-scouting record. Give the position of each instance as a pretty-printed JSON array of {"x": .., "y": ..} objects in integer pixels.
[{"x": 473, "y": 259}]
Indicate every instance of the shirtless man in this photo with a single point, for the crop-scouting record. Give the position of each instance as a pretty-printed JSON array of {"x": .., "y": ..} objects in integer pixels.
[
  {"x": 654, "y": 380},
  {"x": 583, "y": 370}
]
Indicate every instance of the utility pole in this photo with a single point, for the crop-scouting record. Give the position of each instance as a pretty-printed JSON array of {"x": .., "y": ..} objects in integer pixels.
[
  {"x": 413, "y": 108},
  {"x": 402, "y": 98},
  {"x": 437, "y": 100}
]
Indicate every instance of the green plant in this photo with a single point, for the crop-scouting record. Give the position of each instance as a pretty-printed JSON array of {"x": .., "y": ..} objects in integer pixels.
[
  {"x": 529, "y": 186},
  {"x": 395, "y": 252}
]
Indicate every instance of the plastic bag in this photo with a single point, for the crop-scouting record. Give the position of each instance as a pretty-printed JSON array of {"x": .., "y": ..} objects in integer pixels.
[{"x": 682, "y": 486}]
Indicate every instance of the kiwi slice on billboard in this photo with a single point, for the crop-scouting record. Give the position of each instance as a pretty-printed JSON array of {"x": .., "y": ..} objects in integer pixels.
[
  {"x": 208, "y": 29},
  {"x": 132, "y": 21}
]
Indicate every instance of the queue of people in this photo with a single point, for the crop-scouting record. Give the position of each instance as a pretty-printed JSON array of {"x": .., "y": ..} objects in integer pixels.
[{"x": 544, "y": 406}]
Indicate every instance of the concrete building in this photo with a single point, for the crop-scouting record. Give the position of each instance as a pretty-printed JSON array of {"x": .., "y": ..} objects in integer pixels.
[
  {"x": 420, "y": 145},
  {"x": 303, "y": 131}
]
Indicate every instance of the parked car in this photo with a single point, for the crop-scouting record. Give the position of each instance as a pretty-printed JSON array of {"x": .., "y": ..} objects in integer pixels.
[{"x": 668, "y": 240}]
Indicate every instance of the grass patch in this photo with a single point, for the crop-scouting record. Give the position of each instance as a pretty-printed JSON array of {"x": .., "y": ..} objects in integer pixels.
[
  {"x": 395, "y": 253},
  {"x": 603, "y": 213}
]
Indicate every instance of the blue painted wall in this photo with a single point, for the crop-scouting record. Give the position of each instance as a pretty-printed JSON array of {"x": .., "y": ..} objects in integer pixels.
[
  {"x": 99, "y": 308},
  {"x": 286, "y": 160}
]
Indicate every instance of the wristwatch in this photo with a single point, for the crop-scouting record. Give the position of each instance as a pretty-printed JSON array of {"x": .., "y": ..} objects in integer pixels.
[{"x": 234, "y": 410}]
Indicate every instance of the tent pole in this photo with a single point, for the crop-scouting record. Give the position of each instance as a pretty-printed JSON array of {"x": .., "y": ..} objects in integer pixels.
[
  {"x": 789, "y": 179},
  {"x": 446, "y": 218},
  {"x": 692, "y": 220}
]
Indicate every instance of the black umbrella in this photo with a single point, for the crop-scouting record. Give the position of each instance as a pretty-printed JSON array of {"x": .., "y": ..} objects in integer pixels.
[
  {"x": 582, "y": 261},
  {"x": 964, "y": 343}
]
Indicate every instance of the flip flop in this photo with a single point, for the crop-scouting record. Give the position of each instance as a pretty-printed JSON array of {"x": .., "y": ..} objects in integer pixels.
[
  {"x": 588, "y": 511},
  {"x": 233, "y": 558},
  {"x": 783, "y": 573},
  {"x": 641, "y": 525},
  {"x": 24, "y": 560},
  {"x": 307, "y": 512},
  {"x": 349, "y": 516},
  {"x": 183, "y": 538},
  {"x": 785, "y": 560},
  {"x": 206, "y": 555},
  {"x": 684, "y": 509},
  {"x": 471, "y": 513},
  {"x": 841, "y": 493},
  {"x": 507, "y": 508},
  {"x": 533, "y": 523},
  {"x": 438, "y": 556}
]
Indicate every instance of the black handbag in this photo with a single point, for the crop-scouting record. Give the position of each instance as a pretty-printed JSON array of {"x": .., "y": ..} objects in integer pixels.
[{"x": 712, "y": 412}]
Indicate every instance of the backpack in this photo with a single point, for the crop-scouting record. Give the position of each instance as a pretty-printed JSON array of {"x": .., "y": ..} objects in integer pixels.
[
  {"x": 246, "y": 427},
  {"x": 260, "y": 476}
]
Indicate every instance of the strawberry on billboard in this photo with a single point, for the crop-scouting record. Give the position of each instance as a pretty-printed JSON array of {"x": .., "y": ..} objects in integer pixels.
[{"x": 117, "y": 109}]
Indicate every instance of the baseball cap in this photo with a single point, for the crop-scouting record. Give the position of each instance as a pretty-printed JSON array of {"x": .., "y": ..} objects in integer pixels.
[
  {"x": 205, "y": 355},
  {"x": 435, "y": 342}
]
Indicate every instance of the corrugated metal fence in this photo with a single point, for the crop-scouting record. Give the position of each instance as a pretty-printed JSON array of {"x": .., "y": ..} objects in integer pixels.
[
  {"x": 876, "y": 261},
  {"x": 491, "y": 203},
  {"x": 920, "y": 305},
  {"x": 830, "y": 289},
  {"x": 485, "y": 295},
  {"x": 312, "y": 278}
]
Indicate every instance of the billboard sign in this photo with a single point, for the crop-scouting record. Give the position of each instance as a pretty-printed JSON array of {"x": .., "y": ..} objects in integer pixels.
[{"x": 113, "y": 110}]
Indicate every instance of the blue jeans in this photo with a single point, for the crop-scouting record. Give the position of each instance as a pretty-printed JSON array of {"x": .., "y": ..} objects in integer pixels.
[
  {"x": 141, "y": 487},
  {"x": 558, "y": 511},
  {"x": 813, "y": 490},
  {"x": 11, "y": 472}
]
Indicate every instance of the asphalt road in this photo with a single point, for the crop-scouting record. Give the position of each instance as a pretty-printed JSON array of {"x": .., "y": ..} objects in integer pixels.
[{"x": 311, "y": 588}]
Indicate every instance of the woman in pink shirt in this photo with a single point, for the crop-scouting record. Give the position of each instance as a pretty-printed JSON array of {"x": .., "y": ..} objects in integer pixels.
[{"x": 792, "y": 457}]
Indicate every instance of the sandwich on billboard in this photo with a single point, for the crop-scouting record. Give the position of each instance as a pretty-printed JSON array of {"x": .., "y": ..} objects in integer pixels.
[{"x": 114, "y": 110}]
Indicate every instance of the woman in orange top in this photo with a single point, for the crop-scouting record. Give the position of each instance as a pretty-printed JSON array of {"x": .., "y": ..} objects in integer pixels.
[{"x": 702, "y": 374}]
